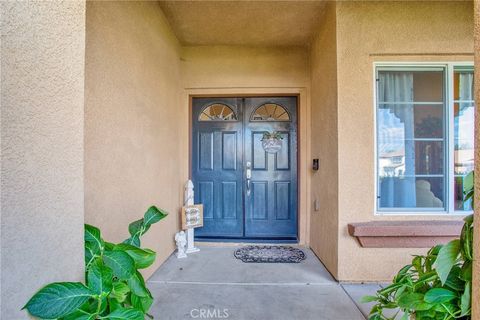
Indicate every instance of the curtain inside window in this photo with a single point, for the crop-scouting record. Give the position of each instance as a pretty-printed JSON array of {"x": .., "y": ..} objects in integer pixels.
[
  {"x": 464, "y": 129},
  {"x": 466, "y": 86},
  {"x": 396, "y": 139}
]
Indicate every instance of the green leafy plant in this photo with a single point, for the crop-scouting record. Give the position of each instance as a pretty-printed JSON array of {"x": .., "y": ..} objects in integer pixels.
[
  {"x": 114, "y": 288},
  {"x": 468, "y": 187},
  {"x": 272, "y": 135},
  {"x": 436, "y": 286}
]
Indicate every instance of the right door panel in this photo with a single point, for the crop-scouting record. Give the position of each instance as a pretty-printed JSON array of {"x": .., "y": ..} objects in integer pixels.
[{"x": 271, "y": 191}]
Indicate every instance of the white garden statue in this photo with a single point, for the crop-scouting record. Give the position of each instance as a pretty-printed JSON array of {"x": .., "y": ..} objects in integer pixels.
[{"x": 181, "y": 241}]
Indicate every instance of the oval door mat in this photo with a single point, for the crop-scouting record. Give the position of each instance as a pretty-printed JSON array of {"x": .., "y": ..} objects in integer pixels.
[{"x": 270, "y": 254}]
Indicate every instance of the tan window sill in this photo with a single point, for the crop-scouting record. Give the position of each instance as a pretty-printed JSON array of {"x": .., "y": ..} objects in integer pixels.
[{"x": 404, "y": 234}]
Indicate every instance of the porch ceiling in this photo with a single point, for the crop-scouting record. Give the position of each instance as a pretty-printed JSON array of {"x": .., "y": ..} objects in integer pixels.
[{"x": 251, "y": 23}]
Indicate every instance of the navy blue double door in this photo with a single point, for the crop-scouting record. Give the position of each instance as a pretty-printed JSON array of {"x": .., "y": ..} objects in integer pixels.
[{"x": 247, "y": 192}]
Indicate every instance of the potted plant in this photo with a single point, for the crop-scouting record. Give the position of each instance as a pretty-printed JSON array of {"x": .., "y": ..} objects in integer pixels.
[
  {"x": 272, "y": 141},
  {"x": 113, "y": 289},
  {"x": 435, "y": 286}
]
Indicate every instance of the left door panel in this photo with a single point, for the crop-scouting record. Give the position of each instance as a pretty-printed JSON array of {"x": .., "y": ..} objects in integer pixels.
[{"x": 217, "y": 165}]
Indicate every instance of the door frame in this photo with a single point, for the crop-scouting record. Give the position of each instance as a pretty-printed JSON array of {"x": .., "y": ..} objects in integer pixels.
[{"x": 303, "y": 144}]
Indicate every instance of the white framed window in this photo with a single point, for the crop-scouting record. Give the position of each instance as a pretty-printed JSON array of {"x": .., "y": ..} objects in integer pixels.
[{"x": 424, "y": 122}]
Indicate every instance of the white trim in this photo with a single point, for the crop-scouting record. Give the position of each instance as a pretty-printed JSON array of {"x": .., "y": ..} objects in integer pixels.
[
  {"x": 375, "y": 142},
  {"x": 448, "y": 67},
  {"x": 451, "y": 140},
  {"x": 462, "y": 67}
]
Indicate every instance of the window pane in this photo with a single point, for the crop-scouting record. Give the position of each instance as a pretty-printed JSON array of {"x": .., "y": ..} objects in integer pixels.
[
  {"x": 411, "y": 192},
  {"x": 463, "y": 85},
  {"x": 217, "y": 112},
  {"x": 424, "y": 86},
  {"x": 429, "y": 192},
  {"x": 411, "y": 139},
  {"x": 460, "y": 204},
  {"x": 428, "y": 86},
  {"x": 270, "y": 112},
  {"x": 428, "y": 121},
  {"x": 464, "y": 111},
  {"x": 429, "y": 157}
]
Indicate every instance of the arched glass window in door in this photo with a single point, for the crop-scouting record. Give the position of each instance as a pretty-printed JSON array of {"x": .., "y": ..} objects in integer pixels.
[
  {"x": 217, "y": 112},
  {"x": 270, "y": 112}
]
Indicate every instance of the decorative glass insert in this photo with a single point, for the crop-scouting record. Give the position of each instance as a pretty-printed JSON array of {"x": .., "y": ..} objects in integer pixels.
[
  {"x": 464, "y": 136},
  {"x": 270, "y": 112},
  {"x": 411, "y": 140},
  {"x": 218, "y": 112}
]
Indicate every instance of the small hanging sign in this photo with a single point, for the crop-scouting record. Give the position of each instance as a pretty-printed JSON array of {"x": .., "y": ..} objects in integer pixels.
[
  {"x": 192, "y": 216},
  {"x": 272, "y": 141}
]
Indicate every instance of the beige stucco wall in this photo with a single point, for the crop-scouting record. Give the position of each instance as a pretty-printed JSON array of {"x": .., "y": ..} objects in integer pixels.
[
  {"x": 382, "y": 31},
  {"x": 244, "y": 70},
  {"x": 324, "y": 183},
  {"x": 476, "y": 249},
  {"x": 244, "y": 67},
  {"x": 42, "y": 100},
  {"x": 132, "y": 121}
]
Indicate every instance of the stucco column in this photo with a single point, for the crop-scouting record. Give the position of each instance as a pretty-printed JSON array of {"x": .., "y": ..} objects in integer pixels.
[
  {"x": 476, "y": 248},
  {"x": 42, "y": 116}
]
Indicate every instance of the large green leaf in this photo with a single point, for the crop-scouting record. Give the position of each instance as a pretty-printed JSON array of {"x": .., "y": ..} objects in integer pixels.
[
  {"x": 447, "y": 307},
  {"x": 133, "y": 240},
  {"x": 141, "y": 303},
  {"x": 137, "y": 285},
  {"x": 431, "y": 257},
  {"x": 413, "y": 301},
  {"x": 410, "y": 300},
  {"x": 100, "y": 279},
  {"x": 80, "y": 316},
  {"x": 58, "y": 299},
  {"x": 90, "y": 252},
  {"x": 439, "y": 295},
  {"x": 469, "y": 219},
  {"x": 108, "y": 245},
  {"x": 469, "y": 188},
  {"x": 466, "y": 239},
  {"x": 454, "y": 279},
  {"x": 84, "y": 312},
  {"x": 120, "y": 291},
  {"x": 121, "y": 263},
  {"x": 466, "y": 300},
  {"x": 446, "y": 259},
  {"x": 153, "y": 215},
  {"x": 143, "y": 257},
  {"x": 423, "y": 314},
  {"x": 135, "y": 227},
  {"x": 468, "y": 182},
  {"x": 125, "y": 314},
  {"x": 114, "y": 304},
  {"x": 467, "y": 271},
  {"x": 92, "y": 234}
]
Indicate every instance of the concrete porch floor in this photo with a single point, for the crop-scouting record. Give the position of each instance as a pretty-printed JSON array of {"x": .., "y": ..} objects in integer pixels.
[{"x": 226, "y": 288}]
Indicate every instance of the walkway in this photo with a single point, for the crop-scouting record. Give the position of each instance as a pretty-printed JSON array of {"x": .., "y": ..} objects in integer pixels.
[{"x": 212, "y": 284}]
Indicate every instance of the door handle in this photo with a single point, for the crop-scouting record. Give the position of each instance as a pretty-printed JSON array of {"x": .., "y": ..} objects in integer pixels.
[{"x": 248, "y": 176}]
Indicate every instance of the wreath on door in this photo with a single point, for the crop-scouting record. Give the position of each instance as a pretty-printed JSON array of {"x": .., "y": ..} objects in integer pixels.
[{"x": 272, "y": 141}]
